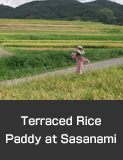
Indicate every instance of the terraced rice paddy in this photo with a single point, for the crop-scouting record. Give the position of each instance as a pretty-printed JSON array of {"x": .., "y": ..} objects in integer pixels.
[
  {"x": 40, "y": 46},
  {"x": 59, "y": 34},
  {"x": 65, "y": 44}
]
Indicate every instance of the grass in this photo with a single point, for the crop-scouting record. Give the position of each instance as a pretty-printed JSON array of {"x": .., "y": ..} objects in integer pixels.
[
  {"x": 100, "y": 84},
  {"x": 30, "y": 62},
  {"x": 63, "y": 37}
]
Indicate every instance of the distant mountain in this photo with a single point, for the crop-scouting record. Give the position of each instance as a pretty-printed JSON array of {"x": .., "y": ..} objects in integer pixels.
[
  {"x": 61, "y": 10},
  {"x": 5, "y": 10}
]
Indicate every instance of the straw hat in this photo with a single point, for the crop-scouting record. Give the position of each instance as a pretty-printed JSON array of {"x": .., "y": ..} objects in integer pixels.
[{"x": 79, "y": 50}]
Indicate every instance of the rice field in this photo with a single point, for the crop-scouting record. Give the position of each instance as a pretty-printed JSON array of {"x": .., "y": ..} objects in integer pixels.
[
  {"x": 64, "y": 45},
  {"x": 59, "y": 34},
  {"x": 100, "y": 84},
  {"x": 40, "y": 46},
  {"x": 21, "y": 36}
]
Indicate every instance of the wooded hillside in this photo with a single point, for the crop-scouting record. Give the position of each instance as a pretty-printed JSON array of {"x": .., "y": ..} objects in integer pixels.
[{"x": 61, "y": 10}]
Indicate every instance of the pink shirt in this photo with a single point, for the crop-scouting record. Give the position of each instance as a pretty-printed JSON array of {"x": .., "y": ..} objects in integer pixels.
[{"x": 80, "y": 62}]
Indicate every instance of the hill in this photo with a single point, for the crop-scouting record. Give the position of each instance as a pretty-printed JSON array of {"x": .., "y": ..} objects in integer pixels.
[
  {"x": 5, "y": 10},
  {"x": 61, "y": 10}
]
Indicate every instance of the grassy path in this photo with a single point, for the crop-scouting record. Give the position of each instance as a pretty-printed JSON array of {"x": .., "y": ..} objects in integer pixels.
[
  {"x": 2, "y": 51},
  {"x": 70, "y": 70}
]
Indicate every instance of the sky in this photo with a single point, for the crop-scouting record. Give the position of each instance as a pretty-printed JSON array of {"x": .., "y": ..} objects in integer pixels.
[{"x": 16, "y": 3}]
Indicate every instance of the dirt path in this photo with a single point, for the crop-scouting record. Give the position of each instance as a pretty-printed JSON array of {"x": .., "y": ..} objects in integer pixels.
[
  {"x": 70, "y": 70},
  {"x": 3, "y": 52}
]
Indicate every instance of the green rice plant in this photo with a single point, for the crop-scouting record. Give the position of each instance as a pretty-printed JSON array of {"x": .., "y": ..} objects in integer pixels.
[
  {"x": 48, "y": 32},
  {"x": 114, "y": 31},
  {"x": 104, "y": 27},
  {"x": 95, "y": 37}
]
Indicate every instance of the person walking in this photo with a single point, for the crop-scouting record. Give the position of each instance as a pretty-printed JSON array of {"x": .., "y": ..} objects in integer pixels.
[{"x": 79, "y": 51}]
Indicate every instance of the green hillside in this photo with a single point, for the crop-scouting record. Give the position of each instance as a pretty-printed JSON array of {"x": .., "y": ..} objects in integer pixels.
[
  {"x": 61, "y": 10},
  {"x": 5, "y": 10}
]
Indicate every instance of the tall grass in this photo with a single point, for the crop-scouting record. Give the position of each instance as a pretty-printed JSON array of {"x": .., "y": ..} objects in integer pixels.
[
  {"x": 28, "y": 62},
  {"x": 33, "y": 62},
  {"x": 100, "y": 84}
]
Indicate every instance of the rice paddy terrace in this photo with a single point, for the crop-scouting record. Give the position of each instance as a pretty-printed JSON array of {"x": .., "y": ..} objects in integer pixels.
[
  {"x": 31, "y": 47},
  {"x": 46, "y": 34},
  {"x": 40, "y": 46}
]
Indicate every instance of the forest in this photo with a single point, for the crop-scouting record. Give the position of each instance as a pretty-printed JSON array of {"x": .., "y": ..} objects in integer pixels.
[{"x": 68, "y": 10}]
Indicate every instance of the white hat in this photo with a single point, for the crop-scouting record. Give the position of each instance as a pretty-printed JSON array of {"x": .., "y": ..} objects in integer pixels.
[{"x": 79, "y": 50}]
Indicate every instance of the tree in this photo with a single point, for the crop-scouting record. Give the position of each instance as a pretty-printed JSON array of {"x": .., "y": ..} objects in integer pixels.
[{"x": 106, "y": 16}]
